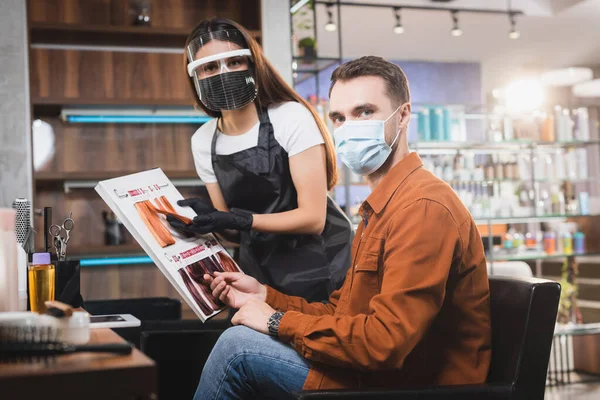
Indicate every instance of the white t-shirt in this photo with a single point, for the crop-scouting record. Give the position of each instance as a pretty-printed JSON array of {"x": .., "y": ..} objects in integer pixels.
[{"x": 294, "y": 126}]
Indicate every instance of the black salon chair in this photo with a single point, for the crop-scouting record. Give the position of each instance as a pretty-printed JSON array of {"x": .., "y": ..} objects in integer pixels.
[
  {"x": 523, "y": 316},
  {"x": 180, "y": 358}
]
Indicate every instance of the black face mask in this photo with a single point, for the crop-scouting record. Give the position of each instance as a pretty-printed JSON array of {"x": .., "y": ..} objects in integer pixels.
[{"x": 227, "y": 91}]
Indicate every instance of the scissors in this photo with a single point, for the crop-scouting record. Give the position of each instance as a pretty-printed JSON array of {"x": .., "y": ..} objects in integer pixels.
[{"x": 62, "y": 235}]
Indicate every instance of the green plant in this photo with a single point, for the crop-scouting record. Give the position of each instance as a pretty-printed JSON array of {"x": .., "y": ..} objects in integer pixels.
[{"x": 307, "y": 42}]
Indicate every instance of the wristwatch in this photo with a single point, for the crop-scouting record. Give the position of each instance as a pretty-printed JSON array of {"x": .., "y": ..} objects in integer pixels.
[{"x": 273, "y": 324}]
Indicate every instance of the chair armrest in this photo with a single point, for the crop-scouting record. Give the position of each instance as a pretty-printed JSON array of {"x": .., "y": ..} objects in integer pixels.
[{"x": 463, "y": 392}]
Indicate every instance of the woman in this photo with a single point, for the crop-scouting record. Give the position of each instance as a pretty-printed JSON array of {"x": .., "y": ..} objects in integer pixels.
[{"x": 267, "y": 161}]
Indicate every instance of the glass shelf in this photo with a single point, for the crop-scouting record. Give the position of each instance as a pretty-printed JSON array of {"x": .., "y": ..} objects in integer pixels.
[
  {"x": 492, "y": 181},
  {"x": 525, "y": 219},
  {"x": 533, "y": 255},
  {"x": 576, "y": 329},
  {"x": 313, "y": 65},
  {"x": 514, "y": 145}
]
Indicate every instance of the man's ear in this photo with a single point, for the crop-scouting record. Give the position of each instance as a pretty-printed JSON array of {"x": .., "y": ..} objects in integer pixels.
[{"x": 404, "y": 116}]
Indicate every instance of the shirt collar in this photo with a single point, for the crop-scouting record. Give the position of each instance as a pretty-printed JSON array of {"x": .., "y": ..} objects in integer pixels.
[{"x": 382, "y": 194}]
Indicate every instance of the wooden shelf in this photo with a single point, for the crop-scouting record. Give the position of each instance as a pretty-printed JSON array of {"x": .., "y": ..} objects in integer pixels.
[
  {"x": 140, "y": 30},
  {"x": 55, "y": 101},
  {"x": 116, "y": 35},
  {"x": 57, "y": 177}
]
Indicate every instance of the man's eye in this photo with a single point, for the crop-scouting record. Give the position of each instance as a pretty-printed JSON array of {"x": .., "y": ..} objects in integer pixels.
[
  {"x": 339, "y": 120},
  {"x": 366, "y": 113}
]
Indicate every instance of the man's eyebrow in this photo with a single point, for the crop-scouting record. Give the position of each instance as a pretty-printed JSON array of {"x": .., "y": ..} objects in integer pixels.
[
  {"x": 362, "y": 107},
  {"x": 334, "y": 114}
]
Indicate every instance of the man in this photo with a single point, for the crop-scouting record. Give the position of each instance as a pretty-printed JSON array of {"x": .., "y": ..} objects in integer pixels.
[{"x": 414, "y": 308}]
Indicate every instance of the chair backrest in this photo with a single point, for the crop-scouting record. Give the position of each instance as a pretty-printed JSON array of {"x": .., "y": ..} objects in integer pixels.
[{"x": 523, "y": 312}]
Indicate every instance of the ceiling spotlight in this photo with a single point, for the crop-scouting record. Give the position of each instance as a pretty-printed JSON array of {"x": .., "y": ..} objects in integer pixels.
[
  {"x": 398, "y": 29},
  {"x": 330, "y": 26},
  {"x": 514, "y": 33},
  {"x": 456, "y": 31}
]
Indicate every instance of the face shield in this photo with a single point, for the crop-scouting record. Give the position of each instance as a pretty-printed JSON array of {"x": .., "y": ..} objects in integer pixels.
[{"x": 221, "y": 70}]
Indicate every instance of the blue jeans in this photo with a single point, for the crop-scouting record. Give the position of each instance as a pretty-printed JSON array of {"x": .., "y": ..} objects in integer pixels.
[{"x": 245, "y": 364}]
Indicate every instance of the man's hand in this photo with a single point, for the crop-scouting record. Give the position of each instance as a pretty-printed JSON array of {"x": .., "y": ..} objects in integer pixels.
[
  {"x": 235, "y": 288},
  {"x": 254, "y": 314}
]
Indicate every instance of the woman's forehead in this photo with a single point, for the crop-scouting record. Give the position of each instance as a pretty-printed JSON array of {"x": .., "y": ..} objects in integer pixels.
[{"x": 215, "y": 47}]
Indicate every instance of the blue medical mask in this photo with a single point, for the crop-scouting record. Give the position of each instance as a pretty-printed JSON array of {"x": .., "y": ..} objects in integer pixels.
[{"x": 361, "y": 144}]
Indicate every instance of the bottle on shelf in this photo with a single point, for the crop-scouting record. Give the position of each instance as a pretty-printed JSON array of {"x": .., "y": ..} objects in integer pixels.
[
  {"x": 550, "y": 242},
  {"x": 530, "y": 241},
  {"x": 579, "y": 242},
  {"x": 508, "y": 242},
  {"x": 518, "y": 240},
  {"x": 558, "y": 124},
  {"x": 581, "y": 159},
  {"x": 567, "y": 125},
  {"x": 581, "y": 129},
  {"x": 508, "y": 131},
  {"x": 490, "y": 173},
  {"x": 436, "y": 117},
  {"x": 498, "y": 169},
  {"x": 567, "y": 242},
  {"x": 584, "y": 203},
  {"x": 424, "y": 125},
  {"x": 447, "y": 117},
  {"x": 548, "y": 129}
]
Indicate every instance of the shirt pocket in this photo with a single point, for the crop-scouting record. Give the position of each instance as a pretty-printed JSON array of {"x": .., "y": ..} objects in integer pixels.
[{"x": 367, "y": 274}]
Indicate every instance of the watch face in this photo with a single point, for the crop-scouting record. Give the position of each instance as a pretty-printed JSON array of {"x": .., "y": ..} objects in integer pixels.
[{"x": 273, "y": 324}]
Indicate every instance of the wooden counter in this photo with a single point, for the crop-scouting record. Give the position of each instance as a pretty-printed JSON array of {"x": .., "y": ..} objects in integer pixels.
[{"x": 82, "y": 376}]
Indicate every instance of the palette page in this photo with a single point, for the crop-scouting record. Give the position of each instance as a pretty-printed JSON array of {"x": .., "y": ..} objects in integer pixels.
[{"x": 142, "y": 201}]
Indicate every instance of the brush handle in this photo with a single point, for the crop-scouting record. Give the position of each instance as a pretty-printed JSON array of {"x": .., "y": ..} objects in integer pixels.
[
  {"x": 22, "y": 277},
  {"x": 116, "y": 348},
  {"x": 16, "y": 350}
]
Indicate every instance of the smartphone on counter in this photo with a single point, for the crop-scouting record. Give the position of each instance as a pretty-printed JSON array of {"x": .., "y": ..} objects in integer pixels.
[{"x": 114, "y": 321}]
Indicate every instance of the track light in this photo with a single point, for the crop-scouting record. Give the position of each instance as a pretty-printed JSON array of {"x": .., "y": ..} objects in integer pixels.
[
  {"x": 456, "y": 31},
  {"x": 398, "y": 29},
  {"x": 514, "y": 33},
  {"x": 330, "y": 26}
]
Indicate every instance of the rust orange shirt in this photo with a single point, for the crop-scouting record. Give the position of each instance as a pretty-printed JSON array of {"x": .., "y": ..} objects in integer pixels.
[{"x": 414, "y": 308}]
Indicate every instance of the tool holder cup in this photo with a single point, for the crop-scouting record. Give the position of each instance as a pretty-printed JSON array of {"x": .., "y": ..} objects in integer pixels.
[{"x": 68, "y": 283}]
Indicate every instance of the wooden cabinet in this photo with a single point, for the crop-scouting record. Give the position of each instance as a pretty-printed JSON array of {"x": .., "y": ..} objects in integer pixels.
[
  {"x": 105, "y": 77},
  {"x": 88, "y": 52},
  {"x": 163, "y": 13}
]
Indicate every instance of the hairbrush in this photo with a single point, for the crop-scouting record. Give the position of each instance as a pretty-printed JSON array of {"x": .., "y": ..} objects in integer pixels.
[{"x": 29, "y": 337}]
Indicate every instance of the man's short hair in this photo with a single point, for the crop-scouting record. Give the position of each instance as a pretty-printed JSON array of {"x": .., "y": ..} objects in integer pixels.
[{"x": 393, "y": 76}]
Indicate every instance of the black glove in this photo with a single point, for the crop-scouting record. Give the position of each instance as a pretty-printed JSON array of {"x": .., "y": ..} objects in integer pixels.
[
  {"x": 215, "y": 221},
  {"x": 199, "y": 206}
]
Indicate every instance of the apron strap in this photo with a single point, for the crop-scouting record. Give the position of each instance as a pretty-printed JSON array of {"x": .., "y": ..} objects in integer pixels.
[
  {"x": 213, "y": 144},
  {"x": 263, "y": 147}
]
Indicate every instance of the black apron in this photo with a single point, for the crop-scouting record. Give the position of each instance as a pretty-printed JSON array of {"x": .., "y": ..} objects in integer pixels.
[{"x": 258, "y": 180}]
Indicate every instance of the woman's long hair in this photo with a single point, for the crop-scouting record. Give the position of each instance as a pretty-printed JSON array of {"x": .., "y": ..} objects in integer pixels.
[{"x": 272, "y": 89}]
